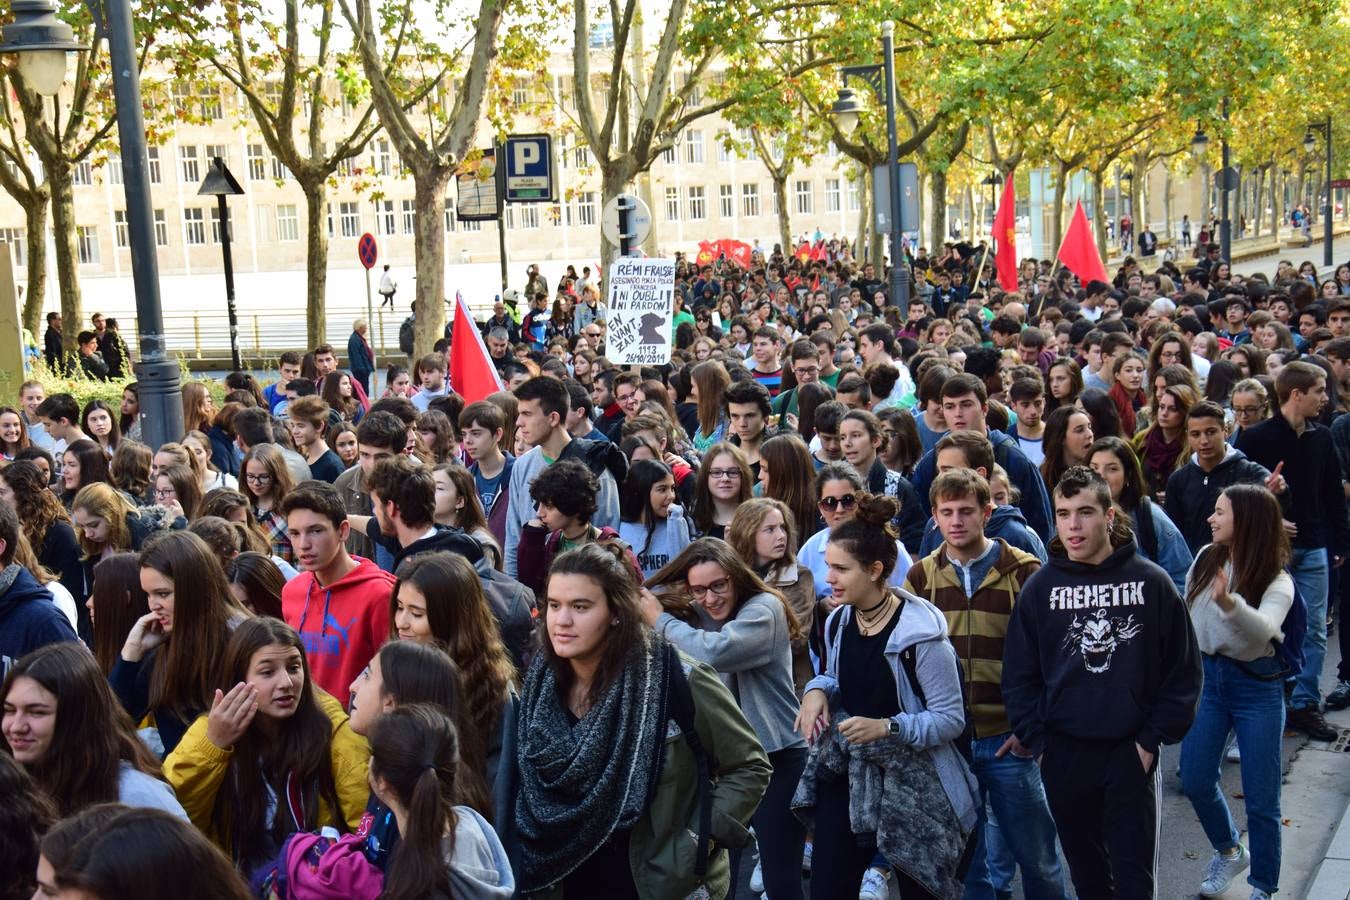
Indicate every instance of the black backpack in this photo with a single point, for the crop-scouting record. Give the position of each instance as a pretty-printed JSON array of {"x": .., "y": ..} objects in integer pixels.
[{"x": 405, "y": 335}]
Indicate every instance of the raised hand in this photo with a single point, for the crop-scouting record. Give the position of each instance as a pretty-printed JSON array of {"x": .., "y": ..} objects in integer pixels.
[
  {"x": 231, "y": 714},
  {"x": 145, "y": 635}
]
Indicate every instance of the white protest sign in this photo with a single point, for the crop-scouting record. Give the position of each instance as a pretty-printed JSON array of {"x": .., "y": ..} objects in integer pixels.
[{"x": 641, "y": 308}]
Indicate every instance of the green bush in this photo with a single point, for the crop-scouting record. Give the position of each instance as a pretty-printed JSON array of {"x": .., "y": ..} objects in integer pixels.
[{"x": 83, "y": 388}]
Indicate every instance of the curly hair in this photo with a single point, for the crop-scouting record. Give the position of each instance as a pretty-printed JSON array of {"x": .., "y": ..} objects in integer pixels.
[
  {"x": 37, "y": 507},
  {"x": 568, "y": 486}
]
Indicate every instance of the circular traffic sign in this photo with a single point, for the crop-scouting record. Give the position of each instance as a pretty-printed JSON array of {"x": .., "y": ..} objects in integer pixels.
[{"x": 366, "y": 251}]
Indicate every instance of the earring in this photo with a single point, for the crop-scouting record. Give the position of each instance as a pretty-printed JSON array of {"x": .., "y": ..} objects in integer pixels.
[{"x": 614, "y": 621}]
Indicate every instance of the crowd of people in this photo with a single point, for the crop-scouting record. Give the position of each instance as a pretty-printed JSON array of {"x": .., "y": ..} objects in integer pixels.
[{"x": 860, "y": 599}]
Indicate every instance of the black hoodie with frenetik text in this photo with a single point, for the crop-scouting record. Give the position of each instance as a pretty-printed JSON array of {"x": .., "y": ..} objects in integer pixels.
[{"x": 1101, "y": 652}]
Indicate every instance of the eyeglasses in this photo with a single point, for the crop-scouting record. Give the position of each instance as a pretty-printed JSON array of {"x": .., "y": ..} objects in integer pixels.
[
  {"x": 829, "y": 504},
  {"x": 718, "y": 587},
  {"x": 258, "y": 479},
  {"x": 1248, "y": 410},
  {"x": 164, "y": 493},
  {"x": 732, "y": 474}
]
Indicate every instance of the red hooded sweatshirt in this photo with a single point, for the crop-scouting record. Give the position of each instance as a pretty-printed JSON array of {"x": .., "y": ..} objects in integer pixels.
[{"x": 341, "y": 625}]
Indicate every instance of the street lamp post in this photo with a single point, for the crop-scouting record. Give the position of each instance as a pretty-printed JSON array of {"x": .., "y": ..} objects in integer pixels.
[
  {"x": 219, "y": 183},
  {"x": 881, "y": 78},
  {"x": 991, "y": 181},
  {"x": 1309, "y": 142},
  {"x": 38, "y": 38},
  {"x": 1199, "y": 143}
]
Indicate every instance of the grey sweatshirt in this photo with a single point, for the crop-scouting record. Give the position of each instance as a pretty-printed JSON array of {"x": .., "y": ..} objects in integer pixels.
[
  {"x": 478, "y": 863},
  {"x": 752, "y": 654},
  {"x": 1246, "y": 633},
  {"x": 668, "y": 538}
]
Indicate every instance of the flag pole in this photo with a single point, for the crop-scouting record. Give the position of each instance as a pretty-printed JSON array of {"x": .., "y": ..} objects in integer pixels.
[{"x": 984, "y": 257}]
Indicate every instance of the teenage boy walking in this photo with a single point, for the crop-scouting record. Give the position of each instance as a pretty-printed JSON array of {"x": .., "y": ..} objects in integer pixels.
[{"x": 1100, "y": 669}]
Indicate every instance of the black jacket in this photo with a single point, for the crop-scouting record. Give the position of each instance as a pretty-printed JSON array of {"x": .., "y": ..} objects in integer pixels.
[
  {"x": 450, "y": 540},
  {"x": 53, "y": 350},
  {"x": 1312, "y": 469},
  {"x": 1191, "y": 492},
  {"x": 599, "y": 456},
  {"x": 94, "y": 366},
  {"x": 1102, "y": 652},
  {"x": 911, "y": 518}
]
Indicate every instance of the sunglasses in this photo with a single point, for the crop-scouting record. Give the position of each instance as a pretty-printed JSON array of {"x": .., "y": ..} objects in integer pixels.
[{"x": 830, "y": 504}]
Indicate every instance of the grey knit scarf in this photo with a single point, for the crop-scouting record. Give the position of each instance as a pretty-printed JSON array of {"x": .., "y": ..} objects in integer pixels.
[
  {"x": 895, "y": 798},
  {"x": 580, "y": 783},
  {"x": 7, "y": 576}
]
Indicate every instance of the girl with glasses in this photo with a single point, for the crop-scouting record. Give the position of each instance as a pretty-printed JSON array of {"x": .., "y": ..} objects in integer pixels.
[
  {"x": 724, "y": 483},
  {"x": 267, "y": 480},
  {"x": 177, "y": 486},
  {"x": 714, "y": 608}
]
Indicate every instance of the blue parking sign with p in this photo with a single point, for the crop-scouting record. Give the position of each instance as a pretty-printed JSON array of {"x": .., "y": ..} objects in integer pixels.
[{"x": 529, "y": 169}]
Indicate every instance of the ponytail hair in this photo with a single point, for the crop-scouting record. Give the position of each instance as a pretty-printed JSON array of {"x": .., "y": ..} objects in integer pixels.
[
  {"x": 414, "y": 749},
  {"x": 870, "y": 536}
]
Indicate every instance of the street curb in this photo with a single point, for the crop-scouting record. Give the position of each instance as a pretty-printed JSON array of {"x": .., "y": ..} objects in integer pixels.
[{"x": 1332, "y": 881}]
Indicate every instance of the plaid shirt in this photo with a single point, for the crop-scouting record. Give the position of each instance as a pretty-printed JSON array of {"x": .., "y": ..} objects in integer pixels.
[{"x": 274, "y": 526}]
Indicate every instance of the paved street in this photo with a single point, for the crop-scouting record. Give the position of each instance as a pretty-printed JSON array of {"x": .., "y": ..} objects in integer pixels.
[{"x": 1296, "y": 255}]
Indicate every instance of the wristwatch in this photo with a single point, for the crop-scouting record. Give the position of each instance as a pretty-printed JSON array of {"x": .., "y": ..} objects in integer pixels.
[{"x": 892, "y": 726}]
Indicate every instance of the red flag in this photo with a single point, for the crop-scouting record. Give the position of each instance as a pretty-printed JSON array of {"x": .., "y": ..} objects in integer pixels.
[
  {"x": 1079, "y": 250},
  {"x": 472, "y": 374},
  {"x": 803, "y": 252},
  {"x": 1005, "y": 238},
  {"x": 819, "y": 251},
  {"x": 706, "y": 254},
  {"x": 740, "y": 253}
]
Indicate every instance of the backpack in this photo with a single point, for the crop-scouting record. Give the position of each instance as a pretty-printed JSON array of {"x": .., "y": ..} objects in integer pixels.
[
  {"x": 406, "y": 333},
  {"x": 680, "y": 707}
]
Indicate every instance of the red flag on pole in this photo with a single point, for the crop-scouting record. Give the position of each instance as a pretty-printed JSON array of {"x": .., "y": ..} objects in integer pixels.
[
  {"x": 1079, "y": 250},
  {"x": 803, "y": 252},
  {"x": 472, "y": 374},
  {"x": 1005, "y": 238}
]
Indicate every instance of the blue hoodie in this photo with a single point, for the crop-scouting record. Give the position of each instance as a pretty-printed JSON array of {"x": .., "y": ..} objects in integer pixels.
[
  {"x": 1035, "y": 503},
  {"x": 28, "y": 617}
]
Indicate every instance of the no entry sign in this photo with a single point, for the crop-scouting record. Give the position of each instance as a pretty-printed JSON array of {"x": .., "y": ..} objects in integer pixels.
[{"x": 366, "y": 251}]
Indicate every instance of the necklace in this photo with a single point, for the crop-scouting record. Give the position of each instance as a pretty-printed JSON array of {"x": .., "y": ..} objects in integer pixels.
[{"x": 867, "y": 623}]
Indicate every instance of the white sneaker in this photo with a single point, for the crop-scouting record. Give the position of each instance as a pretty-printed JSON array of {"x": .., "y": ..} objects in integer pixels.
[
  {"x": 874, "y": 886},
  {"x": 757, "y": 878},
  {"x": 1258, "y": 894},
  {"x": 1233, "y": 755},
  {"x": 1222, "y": 870}
]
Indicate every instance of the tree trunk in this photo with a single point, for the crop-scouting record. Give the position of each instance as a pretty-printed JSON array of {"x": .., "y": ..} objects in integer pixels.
[
  {"x": 1057, "y": 213},
  {"x": 928, "y": 242},
  {"x": 316, "y": 260},
  {"x": 1167, "y": 202},
  {"x": 784, "y": 214},
  {"x": 67, "y": 253},
  {"x": 615, "y": 178},
  {"x": 429, "y": 252},
  {"x": 938, "y": 214},
  {"x": 36, "y": 293},
  {"x": 1098, "y": 218},
  {"x": 1259, "y": 213}
]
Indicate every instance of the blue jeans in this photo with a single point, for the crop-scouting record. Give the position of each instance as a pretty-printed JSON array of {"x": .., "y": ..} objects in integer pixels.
[
  {"x": 1011, "y": 786},
  {"x": 1310, "y": 570},
  {"x": 1254, "y": 709}
]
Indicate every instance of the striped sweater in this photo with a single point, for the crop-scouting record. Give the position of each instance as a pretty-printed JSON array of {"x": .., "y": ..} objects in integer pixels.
[{"x": 977, "y": 625}]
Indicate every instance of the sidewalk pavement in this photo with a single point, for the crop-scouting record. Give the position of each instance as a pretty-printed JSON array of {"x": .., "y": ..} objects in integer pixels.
[{"x": 1332, "y": 880}]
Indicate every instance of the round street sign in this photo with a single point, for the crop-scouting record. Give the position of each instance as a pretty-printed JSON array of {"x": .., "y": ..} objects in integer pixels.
[
  {"x": 366, "y": 250},
  {"x": 640, "y": 219}
]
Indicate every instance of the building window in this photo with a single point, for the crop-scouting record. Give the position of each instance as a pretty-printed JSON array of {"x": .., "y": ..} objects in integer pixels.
[
  {"x": 382, "y": 158},
  {"x": 15, "y": 238},
  {"x": 583, "y": 156},
  {"x": 726, "y": 201},
  {"x": 329, "y": 217},
  {"x": 672, "y": 204},
  {"x": 527, "y": 215},
  {"x": 854, "y": 195},
  {"x": 668, "y": 156},
  {"x": 194, "y": 225},
  {"x": 87, "y": 241},
  {"x": 214, "y": 150},
  {"x": 586, "y": 208},
  {"x": 161, "y": 229},
  {"x": 693, "y": 145},
  {"x": 120, "y": 229},
  {"x": 82, "y": 173},
  {"x": 209, "y": 97},
  {"x": 472, "y": 225},
  {"x": 346, "y": 167},
  {"x": 288, "y": 222},
  {"x": 449, "y": 215},
  {"x": 215, "y": 226},
  {"x": 114, "y": 168},
  {"x": 725, "y": 154},
  {"x": 750, "y": 200},
  {"x": 744, "y": 136},
  {"x": 805, "y": 200},
  {"x": 349, "y": 214},
  {"x": 520, "y": 93},
  {"x": 385, "y": 218},
  {"x": 257, "y": 163},
  {"x": 831, "y": 195},
  {"x": 698, "y": 206},
  {"x": 152, "y": 155},
  {"x": 695, "y": 93},
  {"x": 409, "y": 217},
  {"x": 188, "y": 161}
]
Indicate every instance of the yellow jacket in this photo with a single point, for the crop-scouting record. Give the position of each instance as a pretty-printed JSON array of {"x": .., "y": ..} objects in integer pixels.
[{"x": 197, "y": 767}]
